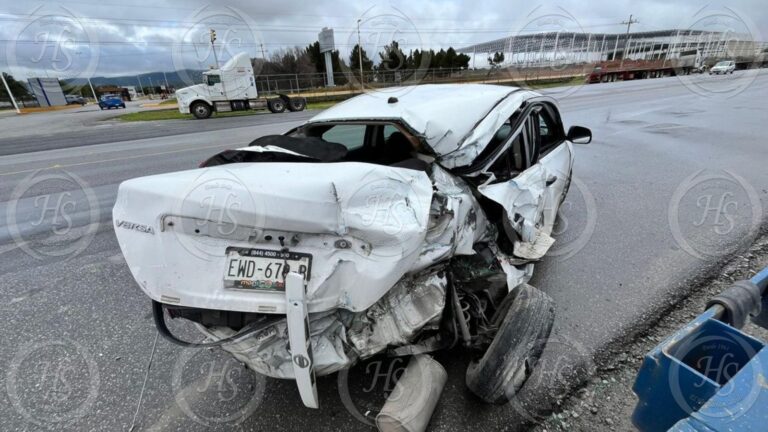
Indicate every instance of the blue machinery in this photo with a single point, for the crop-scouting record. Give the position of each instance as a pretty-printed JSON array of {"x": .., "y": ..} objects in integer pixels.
[{"x": 710, "y": 376}]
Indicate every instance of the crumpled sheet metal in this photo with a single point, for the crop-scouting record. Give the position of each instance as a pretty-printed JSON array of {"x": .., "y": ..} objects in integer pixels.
[
  {"x": 383, "y": 212},
  {"x": 267, "y": 351},
  {"x": 470, "y": 147},
  {"x": 413, "y": 305},
  {"x": 523, "y": 196},
  {"x": 456, "y": 221}
]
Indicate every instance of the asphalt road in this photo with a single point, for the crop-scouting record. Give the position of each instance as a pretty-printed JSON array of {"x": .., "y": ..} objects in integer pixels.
[
  {"x": 642, "y": 221},
  {"x": 89, "y": 125}
]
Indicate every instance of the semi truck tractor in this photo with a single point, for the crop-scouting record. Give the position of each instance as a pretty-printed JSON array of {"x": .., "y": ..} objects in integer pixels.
[{"x": 232, "y": 87}]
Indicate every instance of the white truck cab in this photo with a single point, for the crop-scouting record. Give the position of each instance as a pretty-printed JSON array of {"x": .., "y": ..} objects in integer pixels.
[{"x": 231, "y": 88}]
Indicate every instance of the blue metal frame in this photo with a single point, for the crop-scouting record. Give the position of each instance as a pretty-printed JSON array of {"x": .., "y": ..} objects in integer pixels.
[{"x": 708, "y": 376}]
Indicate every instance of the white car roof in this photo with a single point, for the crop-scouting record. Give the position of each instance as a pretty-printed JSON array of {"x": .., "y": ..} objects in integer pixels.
[{"x": 456, "y": 120}]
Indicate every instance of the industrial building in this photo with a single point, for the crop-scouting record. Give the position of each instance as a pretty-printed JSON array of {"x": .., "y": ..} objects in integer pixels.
[{"x": 559, "y": 48}]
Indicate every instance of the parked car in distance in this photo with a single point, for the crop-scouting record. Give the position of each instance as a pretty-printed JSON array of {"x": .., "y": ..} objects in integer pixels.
[
  {"x": 111, "y": 101},
  {"x": 75, "y": 99},
  {"x": 723, "y": 67}
]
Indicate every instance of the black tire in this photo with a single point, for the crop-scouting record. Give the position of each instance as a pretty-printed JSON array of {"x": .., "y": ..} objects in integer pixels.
[
  {"x": 276, "y": 105},
  {"x": 201, "y": 110},
  {"x": 123, "y": 106},
  {"x": 524, "y": 321},
  {"x": 297, "y": 104}
]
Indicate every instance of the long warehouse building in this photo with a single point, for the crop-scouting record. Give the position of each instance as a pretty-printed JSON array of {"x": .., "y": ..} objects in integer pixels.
[{"x": 571, "y": 47}]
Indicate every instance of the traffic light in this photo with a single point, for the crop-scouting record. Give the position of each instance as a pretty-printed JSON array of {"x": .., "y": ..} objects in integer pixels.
[{"x": 213, "y": 35}]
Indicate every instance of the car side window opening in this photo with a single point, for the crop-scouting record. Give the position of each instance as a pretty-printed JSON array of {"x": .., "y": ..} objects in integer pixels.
[
  {"x": 377, "y": 143},
  {"x": 514, "y": 159},
  {"x": 388, "y": 130},
  {"x": 213, "y": 79},
  {"x": 351, "y": 136}
]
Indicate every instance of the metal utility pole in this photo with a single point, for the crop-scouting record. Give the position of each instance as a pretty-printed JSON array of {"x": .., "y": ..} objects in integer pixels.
[
  {"x": 213, "y": 47},
  {"x": 8, "y": 89},
  {"x": 216, "y": 58},
  {"x": 360, "y": 55},
  {"x": 629, "y": 26},
  {"x": 95, "y": 98},
  {"x": 263, "y": 56}
]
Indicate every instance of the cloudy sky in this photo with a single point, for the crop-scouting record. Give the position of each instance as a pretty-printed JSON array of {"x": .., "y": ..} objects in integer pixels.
[{"x": 83, "y": 38}]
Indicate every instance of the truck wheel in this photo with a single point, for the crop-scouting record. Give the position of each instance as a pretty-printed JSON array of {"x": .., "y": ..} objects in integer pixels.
[
  {"x": 201, "y": 110},
  {"x": 276, "y": 105},
  {"x": 297, "y": 104},
  {"x": 524, "y": 322}
]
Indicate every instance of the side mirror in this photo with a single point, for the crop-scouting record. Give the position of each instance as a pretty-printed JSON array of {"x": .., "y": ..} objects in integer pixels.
[{"x": 579, "y": 135}]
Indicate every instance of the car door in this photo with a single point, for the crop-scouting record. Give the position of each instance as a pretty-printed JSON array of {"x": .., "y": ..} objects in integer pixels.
[
  {"x": 528, "y": 179},
  {"x": 215, "y": 86},
  {"x": 556, "y": 159}
]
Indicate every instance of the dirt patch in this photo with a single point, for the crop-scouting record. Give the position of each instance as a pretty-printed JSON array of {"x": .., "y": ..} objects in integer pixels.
[{"x": 606, "y": 403}]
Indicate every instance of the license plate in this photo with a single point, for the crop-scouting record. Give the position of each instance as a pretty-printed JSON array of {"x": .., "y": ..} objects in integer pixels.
[{"x": 263, "y": 269}]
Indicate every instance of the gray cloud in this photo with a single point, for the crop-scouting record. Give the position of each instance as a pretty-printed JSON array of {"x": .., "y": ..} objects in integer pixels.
[{"x": 96, "y": 38}]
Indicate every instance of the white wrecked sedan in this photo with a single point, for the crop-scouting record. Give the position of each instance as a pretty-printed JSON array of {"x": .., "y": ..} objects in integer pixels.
[{"x": 401, "y": 222}]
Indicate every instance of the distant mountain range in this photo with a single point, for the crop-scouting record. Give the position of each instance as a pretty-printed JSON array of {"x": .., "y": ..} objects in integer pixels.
[{"x": 176, "y": 79}]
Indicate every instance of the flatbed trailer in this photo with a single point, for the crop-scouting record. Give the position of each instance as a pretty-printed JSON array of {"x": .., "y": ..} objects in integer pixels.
[{"x": 626, "y": 70}]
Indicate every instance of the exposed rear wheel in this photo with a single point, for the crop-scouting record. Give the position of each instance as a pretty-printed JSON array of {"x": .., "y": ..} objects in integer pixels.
[
  {"x": 276, "y": 105},
  {"x": 297, "y": 104},
  {"x": 524, "y": 322},
  {"x": 201, "y": 110}
]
